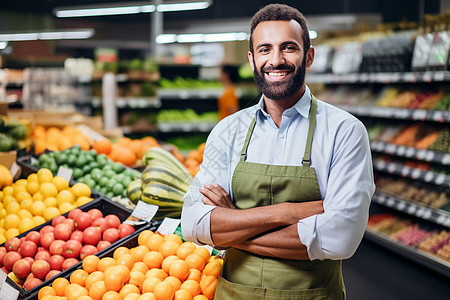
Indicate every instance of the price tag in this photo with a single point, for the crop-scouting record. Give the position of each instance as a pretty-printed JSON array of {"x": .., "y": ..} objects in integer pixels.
[
  {"x": 415, "y": 174},
  {"x": 429, "y": 176},
  {"x": 390, "y": 202},
  {"x": 421, "y": 154},
  {"x": 427, "y": 214},
  {"x": 440, "y": 179},
  {"x": 410, "y": 152},
  {"x": 419, "y": 114},
  {"x": 437, "y": 116},
  {"x": 405, "y": 171},
  {"x": 168, "y": 226},
  {"x": 441, "y": 219},
  {"x": 33, "y": 160},
  {"x": 412, "y": 209},
  {"x": 420, "y": 212},
  {"x": 391, "y": 148},
  {"x": 447, "y": 222},
  {"x": 7, "y": 292},
  {"x": 2, "y": 278},
  {"x": 401, "y": 205},
  {"x": 446, "y": 159},
  {"x": 401, "y": 150},
  {"x": 144, "y": 211},
  {"x": 15, "y": 170},
  {"x": 391, "y": 168},
  {"x": 429, "y": 155},
  {"x": 381, "y": 199},
  {"x": 65, "y": 173}
]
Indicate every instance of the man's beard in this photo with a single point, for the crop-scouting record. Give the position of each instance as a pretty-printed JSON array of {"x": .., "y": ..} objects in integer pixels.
[{"x": 279, "y": 90}]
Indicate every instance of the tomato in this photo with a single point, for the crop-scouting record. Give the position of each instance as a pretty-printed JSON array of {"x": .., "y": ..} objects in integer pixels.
[
  {"x": 113, "y": 221},
  {"x": 51, "y": 274},
  {"x": 56, "y": 262},
  {"x": 83, "y": 220},
  {"x": 125, "y": 230},
  {"x": 57, "y": 220},
  {"x": 31, "y": 282},
  {"x": 68, "y": 263},
  {"x": 30, "y": 260},
  {"x": 21, "y": 268},
  {"x": 56, "y": 247},
  {"x": 28, "y": 249},
  {"x": 77, "y": 235},
  {"x": 73, "y": 213},
  {"x": 88, "y": 250},
  {"x": 12, "y": 244},
  {"x": 46, "y": 228},
  {"x": 95, "y": 213},
  {"x": 43, "y": 254},
  {"x": 34, "y": 236},
  {"x": 91, "y": 236},
  {"x": 62, "y": 232},
  {"x": 71, "y": 249},
  {"x": 102, "y": 245},
  {"x": 101, "y": 224},
  {"x": 46, "y": 239},
  {"x": 10, "y": 259},
  {"x": 111, "y": 235},
  {"x": 40, "y": 268},
  {"x": 69, "y": 222},
  {"x": 2, "y": 255}
]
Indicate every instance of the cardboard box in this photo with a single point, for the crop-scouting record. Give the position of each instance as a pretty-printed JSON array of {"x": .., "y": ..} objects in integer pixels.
[{"x": 8, "y": 158}]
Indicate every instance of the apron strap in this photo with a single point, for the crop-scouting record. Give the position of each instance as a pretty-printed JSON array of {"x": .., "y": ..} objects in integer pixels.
[
  {"x": 247, "y": 140},
  {"x": 312, "y": 122}
]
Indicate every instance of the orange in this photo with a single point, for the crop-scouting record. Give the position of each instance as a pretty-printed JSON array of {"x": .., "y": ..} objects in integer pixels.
[
  {"x": 102, "y": 146},
  {"x": 143, "y": 236},
  {"x": 154, "y": 242},
  {"x": 114, "y": 280},
  {"x": 149, "y": 284},
  {"x": 59, "y": 285},
  {"x": 200, "y": 297},
  {"x": 153, "y": 259},
  {"x": 79, "y": 276},
  {"x": 90, "y": 263},
  {"x": 124, "y": 141},
  {"x": 132, "y": 296},
  {"x": 126, "y": 156},
  {"x": 202, "y": 251},
  {"x": 111, "y": 295},
  {"x": 195, "y": 261},
  {"x": 169, "y": 248},
  {"x": 213, "y": 268},
  {"x": 164, "y": 291},
  {"x": 158, "y": 273},
  {"x": 147, "y": 296},
  {"x": 183, "y": 252},
  {"x": 174, "y": 281},
  {"x": 123, "y": 270},
  {"x": 74, "y": 291},
  {"x": 46, "y": 290},
  {"x": 119, "y": 251},
  {"x": 173, "y": 237},
  {"x": 167, "y": 262},
  {"x": 192, "y": 287},
  {"x": 179, "y": 269},
  {"x": 97, "y": 290},
  {"x": 93, "y": 278},
  {"x": 140, "y": 267},
  {"x": 208, "y": 286},
  {"x": 85, "y": 297},
  {"x": 105, "y": 263},
  {"x": 127, "y": 260},
  {"x": 137, "y": 279},
  {"x": 182, "y": 295},
  {"x": 195, "y": 274},
  {"x": 139, "y": 252},
  {"x": 128, "y": 289}
]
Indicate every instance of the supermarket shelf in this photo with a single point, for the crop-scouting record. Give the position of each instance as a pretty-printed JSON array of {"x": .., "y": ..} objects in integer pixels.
[
  {"x": 437, "y": 216},
  {"x": 398, "y": 113},
  {"x": 428, "y": 260},
  {"x": 411, "y": 152},
  {"x": 412, "y": 173},
  {"x": 130, "y": 102},
  {"x": 186, "y": 126},
  {"x": 387, "y": 77},
  {"x": 187, "y": 94}
]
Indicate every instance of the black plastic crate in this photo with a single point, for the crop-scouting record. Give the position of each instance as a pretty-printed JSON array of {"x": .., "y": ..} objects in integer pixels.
[{"x": 107, "y": 207}]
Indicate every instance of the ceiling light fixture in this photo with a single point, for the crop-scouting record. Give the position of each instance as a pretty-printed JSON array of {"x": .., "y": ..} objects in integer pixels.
[
  {"x": 125, "y": 8},
  {"x": 47, "y": 35},
  {"x": 199, "y": 37}
]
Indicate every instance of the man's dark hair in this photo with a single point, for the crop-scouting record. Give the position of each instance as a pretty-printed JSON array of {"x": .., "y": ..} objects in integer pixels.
[
  {"x": 232, "y": 71},
  {"x": 280, "y": 12}
]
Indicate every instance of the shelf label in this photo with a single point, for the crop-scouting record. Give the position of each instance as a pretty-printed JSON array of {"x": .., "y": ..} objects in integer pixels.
[
  {"x": 168, "y": 226},
  {"x": 391, "y": 148},
  {"x": 441, "y": 219},
  {"x": 2, "y": 278},
  {"x": 391, "y": 168},
  {"x": 440, "y": 179},
  {"x": 390, "y": 202},
  {"x": 144, "y": 211},
  {"x": 429, "y": 176},
  {"x": 429, "y": 155},
  {"x": 416, "y": 173},
  {"x": 65, "y": 173},
  {"x": 405, "y": 171},
  {"x": 437, "y": 116},
  {"x": 7, "y": 292},
  {"x": 410, "y": 152},
  {"x": 401, "y": 150},
  {"x": 411, "y": 209},
  {"x": 427, "y": 214},
  {"x": 446, "y": 159},
  {"x": 421, "y": 154},
  {"x": 419, "y": 114},
  {"x": 401, "y": 205}
]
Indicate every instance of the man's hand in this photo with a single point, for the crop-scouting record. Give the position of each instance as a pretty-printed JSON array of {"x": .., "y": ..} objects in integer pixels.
[{"x": 215, "y": 195}]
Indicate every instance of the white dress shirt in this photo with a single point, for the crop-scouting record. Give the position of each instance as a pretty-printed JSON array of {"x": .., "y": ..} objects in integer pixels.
[{"x": 340, "y": 155}]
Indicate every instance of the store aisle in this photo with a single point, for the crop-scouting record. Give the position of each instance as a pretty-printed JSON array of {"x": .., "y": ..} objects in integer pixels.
[{"x": 375, "y": 273}]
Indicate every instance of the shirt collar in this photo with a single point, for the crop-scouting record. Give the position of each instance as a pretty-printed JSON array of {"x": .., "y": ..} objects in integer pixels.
[{"x": 302, "y": 106}]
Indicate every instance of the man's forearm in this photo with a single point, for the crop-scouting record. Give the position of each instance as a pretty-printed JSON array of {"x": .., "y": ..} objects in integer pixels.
[
  {"x": 233, "y": 226},
  {"x": 281, "y": 243}
]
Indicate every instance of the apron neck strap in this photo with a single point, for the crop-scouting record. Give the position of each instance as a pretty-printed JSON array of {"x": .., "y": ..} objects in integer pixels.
[
  {"x": 247, "y": 140},
  {"x": 312, "y": 123}
]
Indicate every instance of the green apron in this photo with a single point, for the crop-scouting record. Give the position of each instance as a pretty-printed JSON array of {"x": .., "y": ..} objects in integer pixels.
[{"x": 248, "y": 276}]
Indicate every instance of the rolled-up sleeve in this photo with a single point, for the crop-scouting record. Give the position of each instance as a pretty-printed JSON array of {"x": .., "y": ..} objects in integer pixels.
[{"x": 337, "y": 233}]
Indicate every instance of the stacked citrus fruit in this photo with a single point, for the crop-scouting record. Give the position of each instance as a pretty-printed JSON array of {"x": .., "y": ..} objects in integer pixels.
[
  {"x": 56, "y": 139},
  {"x": 159, "y": 268},
  {"x": 40, "y": 197}
]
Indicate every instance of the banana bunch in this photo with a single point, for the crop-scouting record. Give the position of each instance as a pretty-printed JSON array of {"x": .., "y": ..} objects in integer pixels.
[{"x": 164, "y": 182}]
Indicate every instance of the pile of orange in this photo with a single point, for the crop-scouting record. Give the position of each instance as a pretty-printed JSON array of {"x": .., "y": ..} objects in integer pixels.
[
  {"x": 159, "y": 268},
  {"x": 194, "y": 159},
  {"x": 56, "y": 139}
]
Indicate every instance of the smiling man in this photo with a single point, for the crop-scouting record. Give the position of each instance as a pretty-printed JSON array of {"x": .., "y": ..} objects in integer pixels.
[{"x": 285, "y": 185}]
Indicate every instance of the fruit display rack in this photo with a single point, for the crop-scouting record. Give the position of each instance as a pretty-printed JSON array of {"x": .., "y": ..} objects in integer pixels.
[{"x": 392, "y": 160}]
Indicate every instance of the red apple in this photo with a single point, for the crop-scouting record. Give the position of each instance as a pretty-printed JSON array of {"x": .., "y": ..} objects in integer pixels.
[
  {"x": 47, "y": 238},
  {"x": 56, "y": 262},
  {"x": 102, "y": 245},
  {"x": 88, "y": 250},
  {"x": 56, "y": 247},
  {"x": 34, "y": 236},
  {"x": 113, "y": 221},
  {"x": 69, "y": 262},
  {"x": 10, "y": 259},
  {"x": 40, "y": 269},
  {"x": 57, "y": 220},
  {"x": 12, "y": 244},
  {"x": 62, "y": 232},
  {"x": 125, "y": 230},
  {"x": 21, "y": 268}
]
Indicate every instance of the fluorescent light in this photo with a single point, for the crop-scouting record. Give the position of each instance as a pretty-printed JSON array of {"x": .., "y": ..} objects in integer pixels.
[
  {"x": 312, "y": 34},
  {"x": 197, "y": 38},
  {"x": 3, "y": 45},
  {"x": 123, "y": 8},
  {"x": 47, "y": 35}
]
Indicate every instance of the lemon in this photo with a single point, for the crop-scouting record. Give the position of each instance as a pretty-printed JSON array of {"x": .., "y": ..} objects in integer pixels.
[
  {"x": 65, "y": 207},
  {"x": 2, "y": 238},
  {"x": 48, "y": 189},
  {"x": 10, "y": 233},
  {"x": 65, "y": 196},
  {"x": 2, "y": 213},
  {"x": 33, "y": 187},
  {"x": 38, "y": 220},
  {"x": 1, "y": 205},
  {"x": 2, "y": 225},
  {"x": 51, "y": 201},
  {"x": 37, "y": 208},
  {"x": 11, "y": 221},
  {"x": 1, "y": 195},
  {"x": 60, "y": 182},
  {"x": 26, "y": 204},
  {"x": 38, "y": 197},
  {"x": 12, "y": 208},
  {"x": 80, "y": 189},
  {"x": 22, "y": 196},
  {"x": 19, "y": 189},
  {"x": 83, "y": 200},
  {"x": 32, "y": 178},
  {"x": 2, "y": 229},
  {"x": 26, "y": 224},
  {"x": 23, "y": 213},
  {"x": 21, "y": 182},
  {"x": 50, "y": 213},
  {"x": 44, "y": 175},
  {"x": 8, "y": 199},
  {"x": 8, "y": 190}
]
